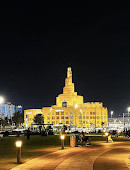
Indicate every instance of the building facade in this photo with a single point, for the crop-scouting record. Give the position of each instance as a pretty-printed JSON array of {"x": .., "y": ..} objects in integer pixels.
[
  {"x": 72, "y": 111},
  {"x": 8, "y": 109},
  {"x": 19, "y": 108},
  {"x": 29, "y": 116},
  {"x": 119, "y": 123}
]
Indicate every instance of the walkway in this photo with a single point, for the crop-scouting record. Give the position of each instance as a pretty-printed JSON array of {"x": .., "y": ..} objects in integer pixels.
[{"x": 109, "y": 156}]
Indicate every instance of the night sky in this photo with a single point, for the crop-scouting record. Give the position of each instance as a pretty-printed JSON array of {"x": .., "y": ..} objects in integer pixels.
[{"x": 38, "y": 41}]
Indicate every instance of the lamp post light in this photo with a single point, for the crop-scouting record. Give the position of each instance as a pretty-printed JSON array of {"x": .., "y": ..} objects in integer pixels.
[
  {"x": 62, "y": 137},
  {"x": 128, "y": 110},
  {"x": 111, "y": 113},
  {"x": 18, "y": 146}
]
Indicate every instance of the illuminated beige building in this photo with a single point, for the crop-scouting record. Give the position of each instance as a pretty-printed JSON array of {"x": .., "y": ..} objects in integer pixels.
[{"x": 72, "y": 111}]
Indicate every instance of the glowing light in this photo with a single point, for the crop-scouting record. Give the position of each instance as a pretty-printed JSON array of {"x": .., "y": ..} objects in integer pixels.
[
  {"x": 111, "y": 112},
  {"x": 128, "y": 109},
  {"x": 1, "y": 99},
  {"x": 62, "y": 137},
  {"x": 106, "y": 134},
  {"x": 76, "y": 106},
  {"x": 18, "y": 144},
  {"x": 81, "y": 111}
]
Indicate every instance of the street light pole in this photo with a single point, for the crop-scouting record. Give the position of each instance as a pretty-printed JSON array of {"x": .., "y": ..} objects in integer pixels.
[{"x": 111, "y": 114}]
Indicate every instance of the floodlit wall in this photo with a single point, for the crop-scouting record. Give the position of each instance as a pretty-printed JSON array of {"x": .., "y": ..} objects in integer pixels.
[{"x": 29, "y": 116}]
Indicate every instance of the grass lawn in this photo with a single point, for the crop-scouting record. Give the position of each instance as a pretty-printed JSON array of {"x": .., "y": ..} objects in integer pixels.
[{"x": 36, "y": 146}]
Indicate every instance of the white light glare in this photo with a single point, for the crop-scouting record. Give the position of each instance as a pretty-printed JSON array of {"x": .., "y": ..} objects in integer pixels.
[{"x": 1, "y": 99}]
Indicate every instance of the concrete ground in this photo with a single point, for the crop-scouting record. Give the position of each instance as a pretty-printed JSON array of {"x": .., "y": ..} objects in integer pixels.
[{"x": 109, "y": 156}]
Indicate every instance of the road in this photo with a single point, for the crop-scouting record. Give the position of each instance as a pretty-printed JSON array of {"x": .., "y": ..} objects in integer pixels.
[{"x": 109, "y": 156}]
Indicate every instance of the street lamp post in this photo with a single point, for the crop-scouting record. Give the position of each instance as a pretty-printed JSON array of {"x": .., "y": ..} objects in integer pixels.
[
  {"x": 111, "y": 113},
  {"x": 18, "y": 145},
  {"x": 62, "y": 141},
  {"x": 106, "y": 134}
]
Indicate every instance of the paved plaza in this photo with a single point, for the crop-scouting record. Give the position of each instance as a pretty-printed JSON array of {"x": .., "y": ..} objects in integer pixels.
[{"x": 108, "y": 156}]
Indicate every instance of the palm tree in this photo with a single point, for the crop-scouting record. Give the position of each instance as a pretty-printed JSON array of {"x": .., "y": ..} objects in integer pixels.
[
  {"x": 39, "y": 119},
  {"x": 17, "y": 118}
]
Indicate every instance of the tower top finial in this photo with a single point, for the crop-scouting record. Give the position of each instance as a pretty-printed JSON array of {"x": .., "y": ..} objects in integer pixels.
[{"x": 69, "y": 72}]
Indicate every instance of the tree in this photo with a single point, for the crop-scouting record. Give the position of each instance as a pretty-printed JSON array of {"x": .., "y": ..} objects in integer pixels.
[
  {"x": 39, "y": 119},
  {"x": 4, "y": 122},
  {"x": 17, "y": 118}
]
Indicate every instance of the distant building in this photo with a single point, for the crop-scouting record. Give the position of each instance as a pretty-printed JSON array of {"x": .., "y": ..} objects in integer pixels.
[
  {"x": 19, "y": 108},
  {"x": 8, "y": 109},
  {"x": 119, "y": 123},
  {"x": 71, "y": 110}
]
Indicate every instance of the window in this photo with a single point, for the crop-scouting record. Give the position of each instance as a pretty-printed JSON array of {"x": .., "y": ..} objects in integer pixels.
[
  {"x": 87, "y": 117},
  {"x": 48, "y": 122},
  {"x": 80, "y": 117},
  {"x": 67, "y": 122},
  {"x": 53, "y": 117},
  {"x": 57, "y": 113},
  {"x": 71, "y": 117},
  {"x": 80, "y": 122},
  {"x": 48, "y": 118},
  {"x": 53, "y": 122},
  {"x": 83, "y": 122},
  {"x": 62, "y": 117},
  {"x": 90, "y": 117},
  {"x": 57, "y": 117},
  {"x": 71, "y": 122},
  {"x": 83, "y": 117},
  {"x": 93, "y": 117},
  {"x": 62, "y": 113},
  {"x": 64, "y": 104},
  {"x": 66, "y": 117},
  {"x": 91, "y": 113}
]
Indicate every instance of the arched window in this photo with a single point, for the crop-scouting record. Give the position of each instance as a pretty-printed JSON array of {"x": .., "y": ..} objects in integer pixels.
[{"x": 64, "y": 104}]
